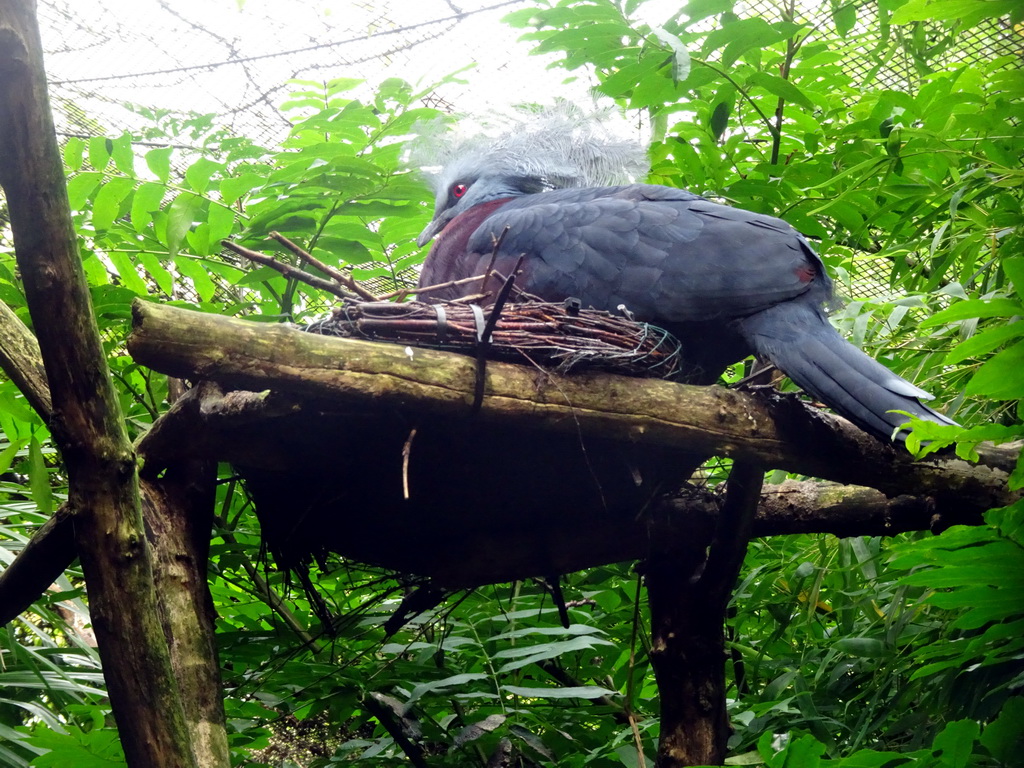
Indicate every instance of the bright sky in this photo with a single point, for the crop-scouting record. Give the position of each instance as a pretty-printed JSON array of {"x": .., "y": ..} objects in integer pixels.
[{"x": 93, "y": 45}]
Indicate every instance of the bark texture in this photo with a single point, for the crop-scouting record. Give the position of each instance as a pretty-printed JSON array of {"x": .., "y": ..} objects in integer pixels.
[
  {"x": 550, "y": 476},
  {"x": 178, "y": 508},
  {"x": 21, "y": 361},
  {"x": 776, "y": 432},
  {"x": 86, "y": 422},
  {"x": 688, "y": 587}
]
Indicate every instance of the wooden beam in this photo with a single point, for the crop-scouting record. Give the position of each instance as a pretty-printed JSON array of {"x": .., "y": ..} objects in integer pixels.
[{"x": 773, "y": 431}]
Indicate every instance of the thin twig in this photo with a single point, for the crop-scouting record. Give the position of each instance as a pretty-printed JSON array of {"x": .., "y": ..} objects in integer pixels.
[
  {"x": 485, "y": 276},
  {"x": 406, "y": 451},
  {"x": 631, "y": 678},
  {"x": 473, "y": 298},
  {"x": 494, "y": 257},
  {"x": 638, "y": 741},
  {"x": 485, "y": 338},
  {"x": 288, "y": 270},
  {"x": 438, "y": 286},
  {"x": 335, "y": 274}
]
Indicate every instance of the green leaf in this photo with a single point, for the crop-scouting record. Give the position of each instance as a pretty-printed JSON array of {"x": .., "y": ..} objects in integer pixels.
[
  {"x": 452, "y": 681},
  {"x": 221, "y": 221},
  {"x": 681, "y": 57},
  {"x": 81, "y": 187},
  {"x": 74, "y": 153},
  {"x": 571, "y": 630},
  {"x": 570, "y": 692},
  {"x": 965, "y": 310},
  {"x": 39, "y": 479},
  {"x": 199, "y": 240},
  {"x": 123, "y": 152},
  {"x": 147, "y": 201},
  {"x": 1014, "y": 269},
  {"x": 626, "y": 77},
  {"x": 804, "y": 752},
  {"x": 159, "y": 162},
  {"x": 1004, "y": 737},
  {"x": 720, "y": 119},
  {"x": 525, "y": 655},
  {"x": 233, "y": 187},
  {"x": 107, "y": 204},
  {"x": 198, "y": 174},
  {"x": 1000, "y": 377},
  {"x": 867, "y": 647},
  {"x": 197, "y": 273},
  {"x": 99, "y": 152},
  {"x": 343, "y": 84},
  {"x": 156, "y": 270},
  {"x": 129, "y": 278},
  {"x": 282, "y": 216},
  {"x": 631, "y": 759},
  {"x": 844, "y": 17},
  {"x": 95, "y": 748},
  {"x": 870, "y": 758},
  {"x": 739, "y": 36},
  {"x": 956, "y": 743},
  {"x": 984, "y": 342},
  {"x": 696, "y": 10},
  {"x": 782, "y": 88},
  {"x": 180, "y": 217},
  {"x": 968, "y": 12},
  {"x": 10, "y": 453},
  {"x": 992, "y": 573},
  {"x": 340, "y": 249}
]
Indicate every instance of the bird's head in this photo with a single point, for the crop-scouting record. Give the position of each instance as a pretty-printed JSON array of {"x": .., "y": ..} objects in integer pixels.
[
  {"x": 467, "y": 190},
  {"x": 533, "y": 151}
]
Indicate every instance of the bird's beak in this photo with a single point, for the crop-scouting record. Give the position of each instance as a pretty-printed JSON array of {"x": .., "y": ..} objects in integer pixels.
[{"x": 431, "y": 230}]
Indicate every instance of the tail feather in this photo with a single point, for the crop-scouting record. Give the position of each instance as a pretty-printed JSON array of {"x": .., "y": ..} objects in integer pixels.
[{"x": 799, "y": 340}]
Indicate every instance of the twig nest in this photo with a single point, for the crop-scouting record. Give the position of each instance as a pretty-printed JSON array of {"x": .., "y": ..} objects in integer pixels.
[{"x": 558, "y": 336}]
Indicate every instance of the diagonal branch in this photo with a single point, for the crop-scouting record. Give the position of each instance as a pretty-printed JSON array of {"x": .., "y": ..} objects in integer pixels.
[
  {"x": 733, "y": 530},
  {"x": 335, "y": 274},
  {"x": 21, "y": 361},
  {"x": 287, "y": 270}
]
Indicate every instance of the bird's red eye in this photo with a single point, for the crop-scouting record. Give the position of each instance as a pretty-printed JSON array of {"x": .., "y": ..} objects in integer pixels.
[{"x": 458, "y": 190}]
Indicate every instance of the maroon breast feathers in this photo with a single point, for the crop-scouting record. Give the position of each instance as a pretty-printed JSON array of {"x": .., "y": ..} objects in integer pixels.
[{"x": 448, "y": 253}]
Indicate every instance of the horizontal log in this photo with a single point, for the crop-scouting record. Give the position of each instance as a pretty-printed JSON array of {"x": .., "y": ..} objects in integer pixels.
[{"x": 776, "y": 432}]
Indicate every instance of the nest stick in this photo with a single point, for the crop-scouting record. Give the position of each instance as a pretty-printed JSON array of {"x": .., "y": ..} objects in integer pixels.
[
  {"x": 494, "y": 256},
  {"x": 439, "y": 286},
  {"x": 288, "y": 270},
  {"x": 485, "y": 339},
  {"x": 335, "y": 274}
]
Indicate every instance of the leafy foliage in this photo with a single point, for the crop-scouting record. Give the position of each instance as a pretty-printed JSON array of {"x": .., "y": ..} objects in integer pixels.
[{"x": 855, "y": 652}]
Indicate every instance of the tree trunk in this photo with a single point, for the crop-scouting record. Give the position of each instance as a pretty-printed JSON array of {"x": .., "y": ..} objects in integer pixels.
[
  {"x": 179, "y": 508},
  {"x": 86, "y": 422},
  {"x": 688, "y": 656},
  {"x": 688, "y": 587}
]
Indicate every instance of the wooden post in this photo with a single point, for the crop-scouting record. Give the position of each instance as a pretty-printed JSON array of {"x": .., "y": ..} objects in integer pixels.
[{"x": 688, "y": 592}]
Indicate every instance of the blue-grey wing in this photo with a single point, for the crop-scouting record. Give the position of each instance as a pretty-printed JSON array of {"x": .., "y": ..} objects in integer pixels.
[{"x": 664, "y": 253}]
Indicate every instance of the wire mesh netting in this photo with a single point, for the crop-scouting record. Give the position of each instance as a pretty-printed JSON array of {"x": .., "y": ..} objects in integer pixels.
[
  {"x": 106, "y": 59},
  {"x": 235, "y": 59}
]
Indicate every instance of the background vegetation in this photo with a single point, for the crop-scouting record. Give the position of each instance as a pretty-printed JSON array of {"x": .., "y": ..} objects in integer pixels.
[{"x": 862, "y": 652}]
